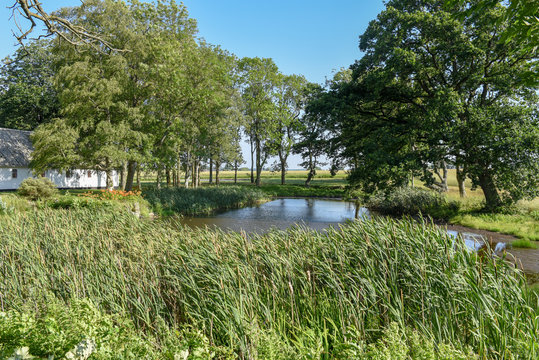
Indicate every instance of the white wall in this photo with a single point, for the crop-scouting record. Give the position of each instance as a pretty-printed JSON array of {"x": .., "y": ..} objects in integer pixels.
[
  {"x": 78, "y": 178},
  {"x": 8, "y": 183}
]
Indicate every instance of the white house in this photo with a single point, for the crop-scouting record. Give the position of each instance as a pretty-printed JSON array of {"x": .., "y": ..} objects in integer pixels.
[{"x": 15, "y": 154}]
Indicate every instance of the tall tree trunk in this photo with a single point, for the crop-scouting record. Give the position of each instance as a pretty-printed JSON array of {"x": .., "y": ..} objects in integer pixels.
[
  {"x": 310, "y": 176},
  {"x": 138, "y": 177},
  {"x": 312, "y": 171},
  {"x": 445, "y": 188},
  {"x": 461, "y": 178},
  {"x": 441, "y": 185},
  {"x": 158, "y": 181},
  {"x": 258, "y": 162},
  {"x": 123, "y": 175},
  {"x": 211, "y": 170},
  {"x": 108, "y": 172},
  {"x": 131, "y": 168},
  {"x": 195, "y": 173},
  {"x": 178, "y": 170},
  {"x": 217, "y": 166},
  {"x": 492, "y": 198},
  {"x": 199, "y": 173},
  {"x": 167, "y": 175},
  {"x": 187, "y": 172},
  {"x": 236, "y": 172},
  {"x": 252, "y": 161},
  {"x": 282, "y": 159}
]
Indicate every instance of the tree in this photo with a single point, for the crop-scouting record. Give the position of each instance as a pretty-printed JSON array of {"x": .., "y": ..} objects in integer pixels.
[
  {"x": 425, "y": 93},
  {"x": 106, "y": 96},
  {"x": 312, "y": 135},
  {"x": 290, "y": 100},
  {"x": 259, "y": 79},
  {"x": 27, "y": 94}
]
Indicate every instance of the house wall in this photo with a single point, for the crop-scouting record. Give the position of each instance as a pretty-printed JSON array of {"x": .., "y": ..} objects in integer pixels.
[
  {"x": 78, "y": 178},
  {"x": 7, "y": 183}
]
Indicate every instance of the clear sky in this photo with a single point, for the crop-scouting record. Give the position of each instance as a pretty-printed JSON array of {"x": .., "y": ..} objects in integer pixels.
[{"x": 312, "y": 38}]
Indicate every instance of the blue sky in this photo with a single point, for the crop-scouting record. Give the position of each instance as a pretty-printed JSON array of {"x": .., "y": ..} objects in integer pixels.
[{"x": 312, "y": 38}]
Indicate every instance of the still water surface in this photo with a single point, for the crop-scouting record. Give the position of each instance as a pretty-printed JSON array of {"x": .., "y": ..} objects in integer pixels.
[
  {"x": 282, "y": 213},
  {"x": 316, "y": 214}
]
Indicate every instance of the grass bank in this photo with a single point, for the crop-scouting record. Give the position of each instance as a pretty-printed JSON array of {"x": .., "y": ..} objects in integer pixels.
[
  {"x": 295, "y": 294},
  {"x": 202, "y": 201},
  {"x": 302, "y": 191},
  {"x": 521, "y": 221}
]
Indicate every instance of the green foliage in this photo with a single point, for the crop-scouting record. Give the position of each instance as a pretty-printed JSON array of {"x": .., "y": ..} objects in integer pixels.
[
  {"x": 27, "y": 95},
  {"x": 524, "y": 243},
  {"x": 298, "y": 288},
  {"x": 68, "y": 331},
  {"x": 202, "y": 201},
  {"x": 413, "y": 201},
  {"x": 525, "y": 224},
  {"x": 135, "y": 205},
  {"x": 434, "y": 87},
  {"x": 4, "y": 208},
  {"x": 260, "y": 78},
  {"x": 37, "y": 188},
  {"x": 398, "y": 344},
  {"x": 15, "y": 203},
  {"x": 303, "y": 191},
  {"x": 76, "y": 202}
]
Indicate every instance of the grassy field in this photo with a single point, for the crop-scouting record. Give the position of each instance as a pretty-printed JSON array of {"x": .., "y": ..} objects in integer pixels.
[{"x": 350, "y": 293}]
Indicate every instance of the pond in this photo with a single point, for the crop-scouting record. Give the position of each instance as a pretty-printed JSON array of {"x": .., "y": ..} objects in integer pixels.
[{"x": 316, "y": 214}]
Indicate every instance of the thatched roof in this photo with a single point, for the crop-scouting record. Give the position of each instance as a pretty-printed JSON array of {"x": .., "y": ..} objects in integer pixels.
[{"x": 15, "y": 148}]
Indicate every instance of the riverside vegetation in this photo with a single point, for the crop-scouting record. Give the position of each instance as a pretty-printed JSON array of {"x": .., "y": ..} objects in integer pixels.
[
  {"x": 201, "y": 201},
  {"x": 379, "y": 289}
]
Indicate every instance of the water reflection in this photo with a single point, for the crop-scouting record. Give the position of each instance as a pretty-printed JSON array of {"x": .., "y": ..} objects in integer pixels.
[
  {"x": 316, "y": 214},
  {"x": 282, "y": 213},
  {"x": 472, "y": 241}
]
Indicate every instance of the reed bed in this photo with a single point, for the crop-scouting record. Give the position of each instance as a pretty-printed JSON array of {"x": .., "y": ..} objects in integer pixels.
[
  {"x": 288, "y": 290},
  {"x": 202, "y": 201}
]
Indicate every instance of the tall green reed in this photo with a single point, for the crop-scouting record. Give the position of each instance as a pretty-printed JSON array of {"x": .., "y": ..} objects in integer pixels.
[
  {"x": 343, "y": 285},
  {"x": 202, "y": 201}
]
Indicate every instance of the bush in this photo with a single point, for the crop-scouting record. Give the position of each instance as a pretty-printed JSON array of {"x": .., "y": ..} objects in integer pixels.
[
  {"x": 413, "y": 201},
  {"x": 37, "y": 188},
  {"x": 136, "y": 205}
]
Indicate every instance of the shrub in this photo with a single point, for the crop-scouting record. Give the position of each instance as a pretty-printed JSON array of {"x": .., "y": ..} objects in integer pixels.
[
  {"x": 37, "y": 188},
  {"x": 136, "y": 205},
  {"x": 413, "y": 201}
]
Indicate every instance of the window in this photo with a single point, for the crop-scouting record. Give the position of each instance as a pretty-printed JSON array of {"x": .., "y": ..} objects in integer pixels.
[
  {"x": 13, "y": 173},
  {"x": 69, "y": 174},
  {"x": 89, "y": 173}
]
